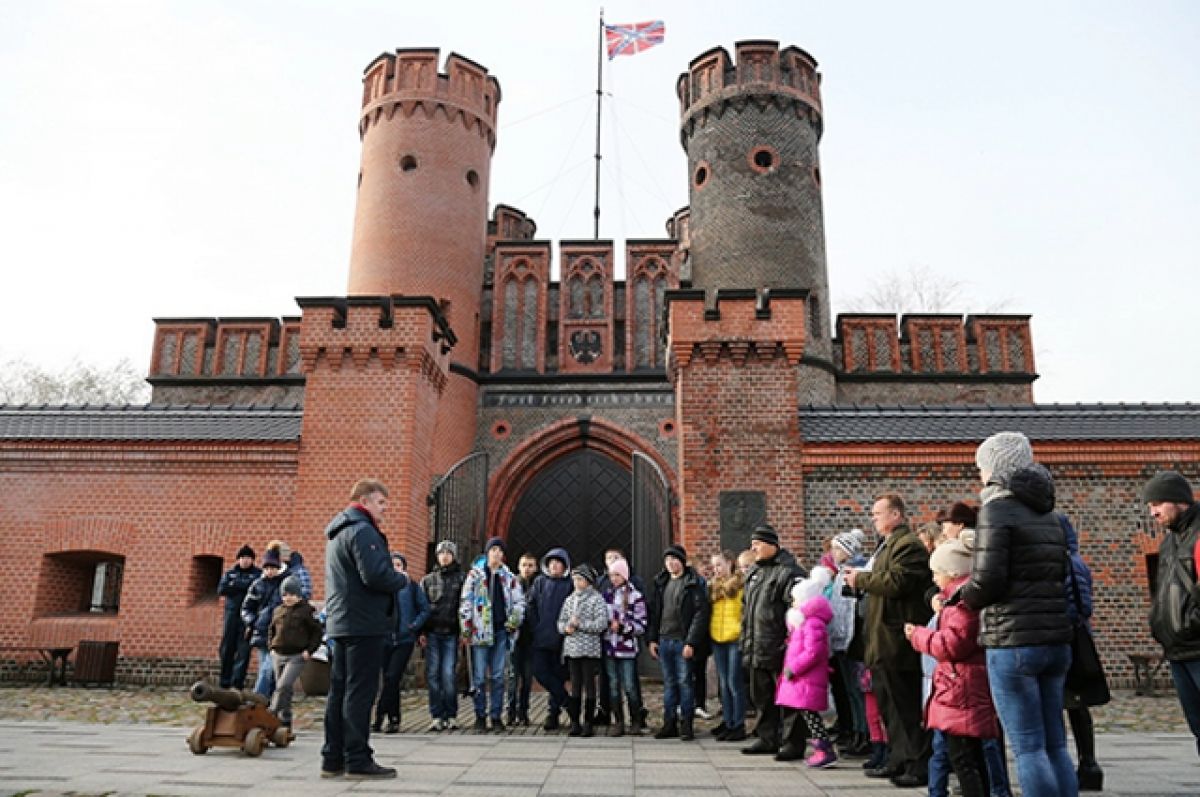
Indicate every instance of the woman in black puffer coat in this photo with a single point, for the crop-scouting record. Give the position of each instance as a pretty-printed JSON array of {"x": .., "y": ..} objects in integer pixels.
[{"x": 1020, "y": 564}]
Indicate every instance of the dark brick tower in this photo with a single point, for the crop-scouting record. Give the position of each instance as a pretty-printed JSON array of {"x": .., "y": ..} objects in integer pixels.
[{"x": 750, "y": 128}]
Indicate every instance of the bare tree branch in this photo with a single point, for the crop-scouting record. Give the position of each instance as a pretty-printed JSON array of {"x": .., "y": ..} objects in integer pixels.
[
  {"x": 22, "y": 382},
  {"x": 919, "y": 289}
]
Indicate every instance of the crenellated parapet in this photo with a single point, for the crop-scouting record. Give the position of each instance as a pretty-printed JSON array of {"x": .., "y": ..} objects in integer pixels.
[
  {"x": 225, "y": 348},
  {"x": 935, "y": 344},
  {"x": 742, "y": 326},
  {"x": 759, "y": 71},
  {"x": 386, "y": 332},
  {"x": 409, "y": 82}
]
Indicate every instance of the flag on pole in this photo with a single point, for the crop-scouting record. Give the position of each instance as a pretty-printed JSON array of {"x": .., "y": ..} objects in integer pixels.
[{"x": 632, "y": 39}]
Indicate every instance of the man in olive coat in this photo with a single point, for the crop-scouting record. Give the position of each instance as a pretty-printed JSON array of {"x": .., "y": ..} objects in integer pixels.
[{"x": 895, "y": 582}]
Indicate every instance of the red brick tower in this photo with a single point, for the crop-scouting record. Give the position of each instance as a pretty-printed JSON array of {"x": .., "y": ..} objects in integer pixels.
[{"x": 420, "y": 227}]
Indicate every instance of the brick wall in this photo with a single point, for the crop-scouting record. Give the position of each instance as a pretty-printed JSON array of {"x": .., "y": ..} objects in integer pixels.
[{"x": 159, "y": 506}]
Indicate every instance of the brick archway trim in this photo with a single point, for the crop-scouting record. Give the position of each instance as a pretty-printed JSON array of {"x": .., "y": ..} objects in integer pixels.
[{"x": 563, "y": 437}]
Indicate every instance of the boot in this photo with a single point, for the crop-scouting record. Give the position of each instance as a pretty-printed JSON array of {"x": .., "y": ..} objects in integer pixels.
[
  {"x": 669, "y": 730},
  {"x": 1090, "y": 775},
  {"x": 735, "y": 734},
  {"x": 823, "y": 755},
  {"x": 879, "y": 753},
  {"x": 637, "y": 720},
  {"x": 511, "y": 717},
  {"x": 551, "y": 723},
  {"x": 618, "y": 724},
  {"x": 393, "y": 725},
  {"x": 377, "y": 725},
  {"x": 685, "y": 730},
  {"x": 576, "y": 729}
]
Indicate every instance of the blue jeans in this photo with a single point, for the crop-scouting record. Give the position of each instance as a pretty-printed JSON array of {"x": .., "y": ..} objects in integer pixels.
[
  {"x": 677, "y": 682},
  {"x": 487, "y": 669},
  {"x": 1186, "y": 675},
  {"x": 939, "y": 766},
  {"x": 1027, "y": 688},
  {"x": 441, "y": 654},
  {"x": 265, "y": 685},
  {"x": 730, "y": 682},
  {"x": 997, "y": 768},
  {"x": 622, "y": 675}
]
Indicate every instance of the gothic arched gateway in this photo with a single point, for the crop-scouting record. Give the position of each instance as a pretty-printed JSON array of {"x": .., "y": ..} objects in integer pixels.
[{"x": 582, "y": 502}]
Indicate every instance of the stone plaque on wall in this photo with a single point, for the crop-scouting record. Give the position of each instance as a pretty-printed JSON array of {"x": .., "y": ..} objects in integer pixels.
[{"x": 741, "y": 511}]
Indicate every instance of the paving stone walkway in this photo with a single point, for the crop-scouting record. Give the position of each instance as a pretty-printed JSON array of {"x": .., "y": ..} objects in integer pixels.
[{"x": 66, "y": 758}]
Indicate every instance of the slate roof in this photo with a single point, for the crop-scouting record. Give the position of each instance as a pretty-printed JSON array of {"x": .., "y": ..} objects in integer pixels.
[
  {"x": 919, "y": 424},
  {"x": 150, "y": 422}
]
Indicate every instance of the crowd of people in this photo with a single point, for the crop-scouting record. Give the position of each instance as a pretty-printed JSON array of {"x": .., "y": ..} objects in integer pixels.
[{"x": 935, "y": 649}]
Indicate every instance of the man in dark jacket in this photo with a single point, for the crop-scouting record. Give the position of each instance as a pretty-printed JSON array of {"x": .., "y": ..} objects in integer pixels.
[
  {"x": 443, "y": 590},
  {"x": 550, "y": 591},
  {"x": 360, "y": 585},
  {"x": 412, "y": 610},
  {"x": 896, "y": 581},
  {"x": 766, "y": 599},
  {"x": 520, "y": 662},
  {"x": 257, "y": 610},
  {"x": 235, "y": 648},
  {"x": 1174, "y": 618},
  {"x": 679, "y": 611}
]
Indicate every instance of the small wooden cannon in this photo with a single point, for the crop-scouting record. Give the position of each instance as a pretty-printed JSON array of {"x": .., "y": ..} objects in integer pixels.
[{"x": 236, "y": 718}]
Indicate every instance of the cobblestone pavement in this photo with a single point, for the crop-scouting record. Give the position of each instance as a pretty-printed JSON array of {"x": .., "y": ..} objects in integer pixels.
[{"x": 161, "y": 706}]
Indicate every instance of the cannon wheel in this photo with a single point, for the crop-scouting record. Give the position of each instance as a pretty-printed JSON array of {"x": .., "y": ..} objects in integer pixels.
[
  {"x": 196, "y": 741},
  {"x": 282, "y": 737},
  {"x": 254, "y": 742}
]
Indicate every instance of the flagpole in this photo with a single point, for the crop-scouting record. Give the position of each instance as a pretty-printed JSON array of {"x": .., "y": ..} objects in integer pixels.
[{"x": 599, "y": 99}]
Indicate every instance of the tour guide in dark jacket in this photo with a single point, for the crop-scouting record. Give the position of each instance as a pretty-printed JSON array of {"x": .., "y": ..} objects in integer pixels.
[
  {"x": 1017, "y": 577},
  {"x": 360, "y": 584}
]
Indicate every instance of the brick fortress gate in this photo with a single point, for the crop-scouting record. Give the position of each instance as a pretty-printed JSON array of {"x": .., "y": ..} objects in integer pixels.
[{"x": 715, "y": 358}]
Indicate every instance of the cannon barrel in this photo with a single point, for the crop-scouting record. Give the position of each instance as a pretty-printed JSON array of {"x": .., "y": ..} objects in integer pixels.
[{"x": 228, "y": 699}]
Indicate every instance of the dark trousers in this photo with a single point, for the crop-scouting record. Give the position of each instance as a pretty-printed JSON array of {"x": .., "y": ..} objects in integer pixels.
[
  {"x": 549, "y": 671},
  {"x": 604, "y": 700},
  {"x": 966, "y": 757},
  {"x": 841, "y": 698},
  {"x": 395, "y": 662},
  {"x": 762, "y": 692},
  {"x": 235, "y": 654},
  {"x": 899, "y": 695},
  {"x": 520, "y": 679},
  {"x": 353, "y": 683},
  {"x": 699, "y": 667},
  {"x": 583, "y": 689}
]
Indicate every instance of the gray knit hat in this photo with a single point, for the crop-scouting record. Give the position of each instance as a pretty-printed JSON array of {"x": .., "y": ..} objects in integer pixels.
[
  {"x": 849, "y": 542},
  {"x": 951, "y": 558},
  {"x": 447, "y": 545},
  {"x": 1003, "y": 454},
  {"x": 292, "y": 586},
  {"x": 1168, "y": 486}
]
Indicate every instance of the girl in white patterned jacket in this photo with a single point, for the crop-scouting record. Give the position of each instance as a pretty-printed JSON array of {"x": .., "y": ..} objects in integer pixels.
[{"x": 582, "y": 622}]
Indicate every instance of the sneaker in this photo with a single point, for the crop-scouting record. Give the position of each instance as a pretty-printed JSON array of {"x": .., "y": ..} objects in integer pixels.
[
  {"x": 551, "y": 723},
  {"x": 822, "y": 758},
  {"x": 435, "y": 726},
  {"x": 702, "y": 713},
  {"x": 332, "y": 773},
  {"x": 372, "y": 772},
  {"x": 736, "y": 734},
  {"x": 480, "y": 725},
  {"x": 450, "y": 724},
  {"x": 498, "y": 725}
]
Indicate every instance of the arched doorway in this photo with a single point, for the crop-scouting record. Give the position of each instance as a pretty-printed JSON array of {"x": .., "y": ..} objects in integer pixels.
[{"x": 581, "y": 501}]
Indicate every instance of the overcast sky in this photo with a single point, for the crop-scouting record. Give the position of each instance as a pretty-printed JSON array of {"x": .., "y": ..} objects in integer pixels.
[{"x": 199, "y": 158}]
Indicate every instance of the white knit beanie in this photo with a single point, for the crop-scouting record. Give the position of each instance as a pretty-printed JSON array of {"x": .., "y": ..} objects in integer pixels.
[{"x": 1003, "y": 454}]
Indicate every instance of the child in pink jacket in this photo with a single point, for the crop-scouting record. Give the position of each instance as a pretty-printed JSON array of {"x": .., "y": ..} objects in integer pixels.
[{"x": 803, "y": 689}]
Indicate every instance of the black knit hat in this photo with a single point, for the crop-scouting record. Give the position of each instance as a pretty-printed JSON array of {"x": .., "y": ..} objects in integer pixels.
[
  {"x": 586, "y": 572},
  {"x": 676, "y": 550},
  {"x": 1170, "y": 487},
  {"x": 765, "y": 533},
  {"x": 245, "y": 550},
  {"x": 494, "y": 542},
  {"x": 271, "y": 558}
]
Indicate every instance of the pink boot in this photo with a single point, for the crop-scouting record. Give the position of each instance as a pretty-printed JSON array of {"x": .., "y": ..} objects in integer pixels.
[{"x": 823, "y": 756}]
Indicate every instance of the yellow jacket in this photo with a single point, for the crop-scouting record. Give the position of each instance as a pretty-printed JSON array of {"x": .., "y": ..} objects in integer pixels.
[{"x": 725, "y": 624}]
